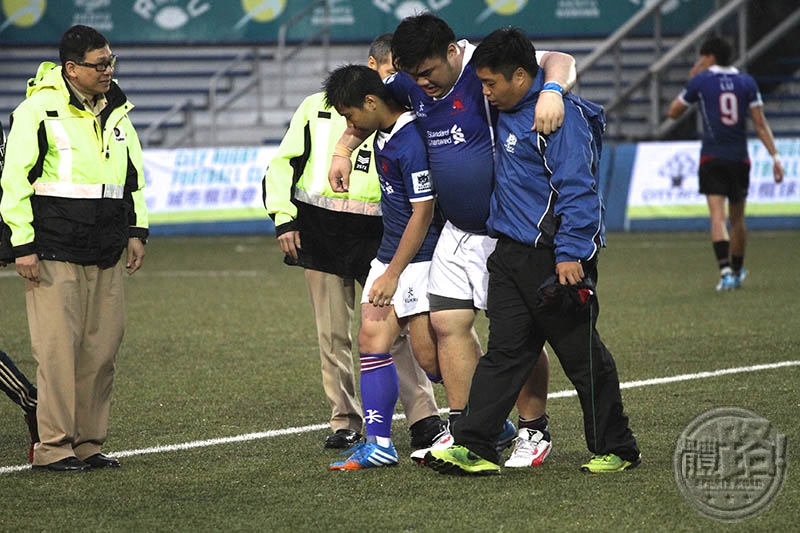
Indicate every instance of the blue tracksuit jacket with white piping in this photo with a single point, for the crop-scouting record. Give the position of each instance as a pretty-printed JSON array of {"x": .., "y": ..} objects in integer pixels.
[{"x": 546, "y": 186}]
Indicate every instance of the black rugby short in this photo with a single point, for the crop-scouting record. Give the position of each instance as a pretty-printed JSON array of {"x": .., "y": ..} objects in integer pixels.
[{"x": 726, "y": 178}]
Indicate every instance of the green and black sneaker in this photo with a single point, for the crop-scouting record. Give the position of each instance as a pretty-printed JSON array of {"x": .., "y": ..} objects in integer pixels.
[
  {"x": 601, "y": 464},
  {"x": 458, "y": 460}
]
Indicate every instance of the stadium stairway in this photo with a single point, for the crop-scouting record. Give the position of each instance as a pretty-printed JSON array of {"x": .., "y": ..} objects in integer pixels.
[
  {"x": 157, "y": 78},
  {"x": 782, "y": 104}
]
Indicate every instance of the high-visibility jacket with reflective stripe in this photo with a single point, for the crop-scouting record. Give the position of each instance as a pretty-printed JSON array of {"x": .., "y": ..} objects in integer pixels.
[
  {"x": 299, "y": 169},
  {"x": 71, "y": 188}
]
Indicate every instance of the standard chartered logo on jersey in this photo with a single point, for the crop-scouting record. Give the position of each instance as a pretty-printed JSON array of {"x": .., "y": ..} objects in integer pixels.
[
  {"x": 730, "y": 463},
  {"x": 453, "y": 135}
]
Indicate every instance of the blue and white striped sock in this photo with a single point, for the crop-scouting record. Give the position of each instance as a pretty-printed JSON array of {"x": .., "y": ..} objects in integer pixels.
[{"x": 379, "y": 390}]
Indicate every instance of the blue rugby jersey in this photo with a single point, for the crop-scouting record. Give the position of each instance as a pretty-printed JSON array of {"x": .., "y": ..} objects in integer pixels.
[
  {"x": 403, "y": 171},
  {"x": 459, "y": 132},
  {"x": 725, "y": 97}
]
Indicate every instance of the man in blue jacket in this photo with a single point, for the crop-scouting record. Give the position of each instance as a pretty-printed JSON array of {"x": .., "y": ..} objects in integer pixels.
[{"x": 547, "y": 215}]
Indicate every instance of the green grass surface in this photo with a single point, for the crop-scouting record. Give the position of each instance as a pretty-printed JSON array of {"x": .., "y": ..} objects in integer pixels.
[{"x": 220, "y": 342}]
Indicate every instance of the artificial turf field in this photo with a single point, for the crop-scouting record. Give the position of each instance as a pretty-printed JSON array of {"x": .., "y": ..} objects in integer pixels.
[{"x": 219, "y": 413}]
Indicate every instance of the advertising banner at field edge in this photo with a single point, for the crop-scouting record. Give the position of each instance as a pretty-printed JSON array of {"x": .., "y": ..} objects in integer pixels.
[
  {"x": 258, "y": 21},
  {"x": 216, "y": 189},
  {"x": 199, "y": 185},
  {"x": 664, "y": 181}
]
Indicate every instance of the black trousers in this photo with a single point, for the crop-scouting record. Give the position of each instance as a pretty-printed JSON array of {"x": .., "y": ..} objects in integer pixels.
[
  {"x": 517, "y": 332},
  {"x": 16, "y": 386}
]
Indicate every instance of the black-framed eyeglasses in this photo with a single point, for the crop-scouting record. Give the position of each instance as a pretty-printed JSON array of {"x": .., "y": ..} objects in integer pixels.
[{"x": 101, "y": 66}]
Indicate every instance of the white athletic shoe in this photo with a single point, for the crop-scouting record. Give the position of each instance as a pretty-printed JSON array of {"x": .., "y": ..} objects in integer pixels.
[
  {"x": 531, "y": 448},
  {"x": 442, "y": 441},
  {"x": 728, "y": 281}
]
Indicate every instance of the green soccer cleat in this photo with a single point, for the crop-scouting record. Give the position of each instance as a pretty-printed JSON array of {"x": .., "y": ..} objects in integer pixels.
[
  {"x": 458, "y": 460},
  {"x": 600, "y": 464}
]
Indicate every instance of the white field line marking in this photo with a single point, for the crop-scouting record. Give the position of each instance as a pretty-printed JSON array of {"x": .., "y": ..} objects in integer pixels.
[
  {"x": 202, "y": 274},
  {"x": 176, "y": 273},
  {"x": 317, "y": 427}
]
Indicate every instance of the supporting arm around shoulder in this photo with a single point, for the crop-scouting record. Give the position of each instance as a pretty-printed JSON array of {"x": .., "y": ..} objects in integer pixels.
[
  {"x": 559, "y": 76},
  {"x": 559, "y": 68}
]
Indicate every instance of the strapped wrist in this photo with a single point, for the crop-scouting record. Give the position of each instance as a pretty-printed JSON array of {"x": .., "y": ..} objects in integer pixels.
[
  {"x": 342, "y": 150},
  {"x": 553, "y": 87}
]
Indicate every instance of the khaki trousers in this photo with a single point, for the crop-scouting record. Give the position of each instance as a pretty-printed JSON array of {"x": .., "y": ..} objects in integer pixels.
[
  {"x": 76, "y": 317},
  {"x": 332, "y": 301}
]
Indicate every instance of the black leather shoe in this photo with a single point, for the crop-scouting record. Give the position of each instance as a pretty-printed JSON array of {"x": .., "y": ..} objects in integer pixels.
[
  {"x": 68, "y": 464},
  {"x": 425, "y": 432},
  {"x": 343, "y": 438},
  {"x": 101, "y": 460}
]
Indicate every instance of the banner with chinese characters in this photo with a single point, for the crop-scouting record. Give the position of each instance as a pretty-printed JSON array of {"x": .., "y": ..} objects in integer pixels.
[
  {"x": 664, "y": 181},
  {"x": 200, "y": 185},
  {"x": 259, "y": 21}
]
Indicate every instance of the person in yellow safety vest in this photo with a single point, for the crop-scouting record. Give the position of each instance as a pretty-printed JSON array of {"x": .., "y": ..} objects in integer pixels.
[
  {"x": 334, "y": 236},
  {"x": 72, "y": 199}
]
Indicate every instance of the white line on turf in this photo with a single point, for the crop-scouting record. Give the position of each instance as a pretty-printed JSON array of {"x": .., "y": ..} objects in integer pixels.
[
  {"x": 318, "y": 427},
  {"x": 175, "y": 273}
]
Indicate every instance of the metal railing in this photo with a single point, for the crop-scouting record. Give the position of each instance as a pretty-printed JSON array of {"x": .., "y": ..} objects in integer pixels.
[
  {"x": 613, "y": 45},
  {"x": 225, "y": 75},
  {"x": 653, "y": 73},
  {"x": 184, "y": 107},
  {"x": 256, "y": 80},
  {"x": 747, "y": 56},
  {"x": 155, "y": 132},
  {"x": 651, "y": 79},
  {"x": 284, "y": 55},
  {"x": 613, "y": 41},
  {"x": 224, "y": 91}
]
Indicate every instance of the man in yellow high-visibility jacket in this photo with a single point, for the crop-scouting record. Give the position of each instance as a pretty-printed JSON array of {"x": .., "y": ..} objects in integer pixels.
[{"x": 72, "y": 200}]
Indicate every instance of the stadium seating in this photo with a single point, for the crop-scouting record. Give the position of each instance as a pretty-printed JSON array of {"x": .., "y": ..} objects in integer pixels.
[{"x": 158, "y": 78}]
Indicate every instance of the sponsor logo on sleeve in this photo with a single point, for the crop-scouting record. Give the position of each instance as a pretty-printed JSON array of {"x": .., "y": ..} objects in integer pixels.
[{"x": 421, "y": 182}]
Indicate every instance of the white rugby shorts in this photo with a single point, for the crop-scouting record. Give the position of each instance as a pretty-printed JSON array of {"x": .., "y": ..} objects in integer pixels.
[
  {"x": 458, "y": 268},
  {"x": 411, "y": 296}
]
